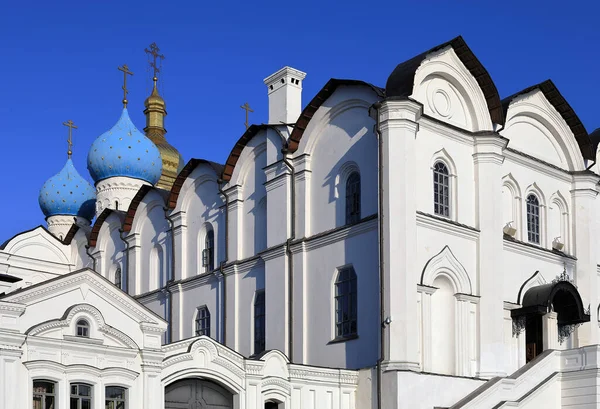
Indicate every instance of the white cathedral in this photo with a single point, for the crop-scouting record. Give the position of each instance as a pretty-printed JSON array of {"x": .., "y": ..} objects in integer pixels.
[{"x": 423, "y": 245}]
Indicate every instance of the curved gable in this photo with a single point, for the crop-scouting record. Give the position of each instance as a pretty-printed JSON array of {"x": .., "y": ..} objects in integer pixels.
[
  {"x": 136, "y": 204},
  {"x": 97, "y": 225},
  {"x": 190, "y": 167},
  {"x": 37, "y": 243},
  {"x": 402, "y": 81},
  {"x": 562, "y": 108},
  {"x": 238, "y": 148}
]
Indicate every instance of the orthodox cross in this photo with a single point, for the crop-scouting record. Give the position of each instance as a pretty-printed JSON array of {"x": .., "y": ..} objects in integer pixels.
[
  {"x": 154, "y": 52},
  {"x": 71, "y": 125},
  {"x": 126, "y": 72},
  {"x": 247, "y": 108}
]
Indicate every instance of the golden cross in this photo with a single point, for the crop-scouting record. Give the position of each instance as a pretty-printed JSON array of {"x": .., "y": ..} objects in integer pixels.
[
  {"x": 126, "y": 71},
  {"x": 247, "y": 108},
  {"x": 71, "y": 125},
  {"x": 153, "y": 51}
]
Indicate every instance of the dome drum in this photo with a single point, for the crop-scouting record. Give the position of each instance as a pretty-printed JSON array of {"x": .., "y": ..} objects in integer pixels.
[{"x": 117, "y": 192}]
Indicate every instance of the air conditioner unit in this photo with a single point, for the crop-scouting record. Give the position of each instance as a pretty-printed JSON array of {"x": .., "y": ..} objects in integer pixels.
[{"x": 509, "y": 230}]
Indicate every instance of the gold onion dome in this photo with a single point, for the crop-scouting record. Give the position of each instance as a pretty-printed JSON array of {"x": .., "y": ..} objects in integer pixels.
[{"x": 156, "y": 111}]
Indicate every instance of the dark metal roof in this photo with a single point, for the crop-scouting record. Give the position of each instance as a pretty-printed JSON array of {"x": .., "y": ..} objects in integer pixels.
[
  {"x": 401, "y": 82},
  {"x": 96, "y": 229},
  {"x": 71, "y": 234},
  {"x": 9, "y": 279},
  {"x": 186, "y": 172},
  {"x": 595, "y": 139},
  {"x": 315, "y": 104},
  {"x": 564, "y": 109},
  {"x": 236, "y": 152}
]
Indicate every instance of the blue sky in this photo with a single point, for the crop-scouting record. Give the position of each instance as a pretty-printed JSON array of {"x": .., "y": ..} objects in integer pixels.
[{"x": 58, "y": 61}]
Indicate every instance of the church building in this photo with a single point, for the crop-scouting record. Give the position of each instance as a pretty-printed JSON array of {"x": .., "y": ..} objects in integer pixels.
[{"x": 426, "y": 244}]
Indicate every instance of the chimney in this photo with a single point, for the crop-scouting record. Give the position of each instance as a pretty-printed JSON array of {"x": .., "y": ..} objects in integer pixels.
[{"x": 285, "y": 95}]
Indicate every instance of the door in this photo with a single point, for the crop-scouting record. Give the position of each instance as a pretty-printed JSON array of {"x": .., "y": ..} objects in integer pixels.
[
  {"x": 534, "y": 337},
  {"x": 197, "y": 394}
]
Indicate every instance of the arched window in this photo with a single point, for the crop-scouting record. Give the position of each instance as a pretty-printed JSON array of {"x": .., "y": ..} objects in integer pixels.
[
  {"x": 345, "y": 303},
  {"x": 533, "y": 219},
  {"x": 44, "y": 394},
  {"x": 441, "y": 189},
  {"x": 118, "y": 278},
  {"x": 81, "y": 396},
  {"x": 208, "y": 254},
  {"x": 115, "y": 397},
  {"x": 353, "y": 198},
  {"x": 83, "y": 329},
  {"x": 203, "y": 321}
]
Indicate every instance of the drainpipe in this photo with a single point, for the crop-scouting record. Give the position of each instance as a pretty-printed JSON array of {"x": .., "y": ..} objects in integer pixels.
[
  {"x": 381, "y": 255},
  {"x": 87, "y": 251},
  {"x": 288, "y": 252},
  {"x": 220, "y": 183},
  {"x": 126, "y": 262},
  {"x": 171, "y": 278}
]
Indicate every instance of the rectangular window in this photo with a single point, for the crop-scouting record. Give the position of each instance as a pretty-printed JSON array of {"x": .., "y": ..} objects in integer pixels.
[
  {"x": 44, "y": 395},
  {"x": 81, "y": 396},
  {"x": 346, "y": 303},
  {"x": 259, "y": 322},
  {"x": 203, "y": 321},
  {"x": 115, "y": 397}
]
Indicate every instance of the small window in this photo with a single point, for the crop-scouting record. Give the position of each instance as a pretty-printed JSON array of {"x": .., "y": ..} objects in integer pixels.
[
  {"x": 44, "y": 395},
  {"x": 441, "y": 190},
  {"x": 259, "y": 322},
  {"x": 81, "y": 396},
  {"x": 115, "y": 397},
  {"x": 203, "y": 321},
  {"x": 208, "y": 254},
  {"x": 83, "y": 329},
  {"x": 353, "y": 198},
  {"x": 118, "y": 282},
  {"x": 533, "y": 219},
  {"x": 345, "y": 303}
]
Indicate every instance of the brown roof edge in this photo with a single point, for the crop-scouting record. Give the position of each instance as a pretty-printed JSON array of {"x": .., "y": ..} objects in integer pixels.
[
  {"x": 559, "y": 102},
  {"x": 97, "y": 225},
  {"x": 315, "y": 104},
  {"x": 185, "y": 173},
  {"x": 71, "y": 234},
  {"x": 401, "y": 80},
  {"x": 133, "y": 206},
  {"x": 236, "y": 152},
  {"x": 3, "y": 245}
]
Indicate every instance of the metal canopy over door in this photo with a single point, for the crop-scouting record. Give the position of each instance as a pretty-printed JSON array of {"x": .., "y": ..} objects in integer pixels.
[{"x": 197, "y": 394}]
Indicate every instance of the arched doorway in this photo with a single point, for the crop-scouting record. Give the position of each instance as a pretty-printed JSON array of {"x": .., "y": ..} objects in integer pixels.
[
  {"x": 558, "y": 304},
  {"x": 197, "y": 394}
]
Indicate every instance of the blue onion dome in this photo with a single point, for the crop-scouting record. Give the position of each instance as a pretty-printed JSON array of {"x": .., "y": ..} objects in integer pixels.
[
  {"x": 68, "y": 194},
  {"x": 124, "y": 151}
]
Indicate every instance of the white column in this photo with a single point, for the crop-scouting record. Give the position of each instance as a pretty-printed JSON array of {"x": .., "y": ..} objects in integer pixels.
[
  {"x": 586, "y": 238},
  {"x": 488, "y": 158},
  {"x": 235, "y": 220},
  {"x": 179, "y": 231},
  {"x": 303, "y": 175},
  {"x": 427, "y": 357},
  {"x": 466, "y": 333},
  {"x": 398, "y": 130},
  {"x": 153, "y": 390},
  {"x": 134, "y": 260},
  {"x": 550, "y": 330}
]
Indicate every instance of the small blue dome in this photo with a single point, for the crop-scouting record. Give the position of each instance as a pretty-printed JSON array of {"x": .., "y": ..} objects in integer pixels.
[
  {"x": 68, "y": 194},
  {"x": 124, "y": 151}
]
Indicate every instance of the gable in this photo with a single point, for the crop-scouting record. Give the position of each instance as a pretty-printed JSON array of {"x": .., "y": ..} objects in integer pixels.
[{"x": 38, "y": 244}]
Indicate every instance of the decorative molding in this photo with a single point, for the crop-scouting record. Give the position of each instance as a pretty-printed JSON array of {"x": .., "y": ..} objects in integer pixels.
[
  {"x": 445, "y": 263},
  {"x": 536, "y": 165},
  {"x": 447, "y": 226}
]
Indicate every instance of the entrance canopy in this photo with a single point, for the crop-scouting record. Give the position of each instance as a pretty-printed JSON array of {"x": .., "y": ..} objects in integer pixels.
[{"x": 561, "y": 297}]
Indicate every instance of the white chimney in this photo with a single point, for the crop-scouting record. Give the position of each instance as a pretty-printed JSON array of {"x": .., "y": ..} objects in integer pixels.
[{"x": 285, "y": 95}]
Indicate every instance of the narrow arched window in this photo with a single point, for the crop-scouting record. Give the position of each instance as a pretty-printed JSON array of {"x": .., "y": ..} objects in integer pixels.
[
  {"x": 345, "y": 303},
  {"x": 208, "y": 254},
  {"x": 353, "y": 198},
  {"x": 441, "y": 190},
  {"x": 533, "y": 219},
  {"x": 118, "y": 279},
  {"x": 203, "y": 321},
  {"x": 83, "y": 329},
  {"x": 259, "y": 322}
]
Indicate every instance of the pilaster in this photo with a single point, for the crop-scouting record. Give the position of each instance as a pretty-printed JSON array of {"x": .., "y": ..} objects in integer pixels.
[
  {"x": 550, "y": 331},
  {"x": 180, "y": 252},
  {"x": 235, "y": 221},
  {"x": 279, "y": 217},
  {"x": 426, "y": 352},
  {"x": 488, "y": 158},
  {"x": 303, "y": 176},
  {"x": 134, "y": 259},
  {"x": 466, "y": 330},
  {"x": 398, "y": 127},
  {"x": 153, "y": 395}
]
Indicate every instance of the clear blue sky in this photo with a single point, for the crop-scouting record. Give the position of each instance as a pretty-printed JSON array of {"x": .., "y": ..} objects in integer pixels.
[{"x": 58, "y": 61}]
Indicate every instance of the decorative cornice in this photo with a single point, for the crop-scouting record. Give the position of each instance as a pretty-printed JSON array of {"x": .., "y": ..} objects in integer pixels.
[
  {"x": 538, "y": 252},
  {"x": 474, "y": 299},
  {"x": 43, "y": 365},
  {"x": 536, "y": 165},
  {"x": 341, "y": 233},
  {"x": 447, "y": 226}
]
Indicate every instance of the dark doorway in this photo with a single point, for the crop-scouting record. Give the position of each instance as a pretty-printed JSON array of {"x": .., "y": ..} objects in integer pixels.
[
  {"x": 271, "y": 405},
  {"x": 534, "y": 337},
  {"x": 197, "y": 394}
]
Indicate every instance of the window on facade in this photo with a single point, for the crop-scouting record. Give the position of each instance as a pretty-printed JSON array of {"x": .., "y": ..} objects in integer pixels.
[
  {"x": 115, "y": 397},
  {"x": 118, "y": 282},
  {"x": 81, "y": 396},
  {"x": 259, "y": 322},
  {"x": 83, "y": 329},
  {"x": 441, "y": 190},
  {"x": 203, "y": 321},
  {"x": 353, "y": 198},
  {"x": 533, "y": 219},
  {"x": 208, "y": 254},
  {"x": 44, "y": 395},
  {"x": 345, "y": 303}
]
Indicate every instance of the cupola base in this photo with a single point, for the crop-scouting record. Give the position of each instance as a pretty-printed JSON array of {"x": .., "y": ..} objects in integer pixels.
[
  {"x": 116, "y": 193},
  {"x": 59, "y": 225}
]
